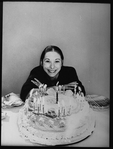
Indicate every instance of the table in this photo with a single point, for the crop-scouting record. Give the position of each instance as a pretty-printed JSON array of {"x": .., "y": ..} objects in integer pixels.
[{"x": 99, "y": 138}]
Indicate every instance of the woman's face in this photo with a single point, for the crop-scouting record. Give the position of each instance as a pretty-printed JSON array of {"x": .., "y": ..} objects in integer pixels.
[{"x": 52, "y": 63}]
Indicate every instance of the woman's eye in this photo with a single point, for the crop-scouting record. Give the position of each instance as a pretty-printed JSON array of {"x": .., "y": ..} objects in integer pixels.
[
  {"x": 57, "y": 61},
  {"x": 47, "y": 61}
]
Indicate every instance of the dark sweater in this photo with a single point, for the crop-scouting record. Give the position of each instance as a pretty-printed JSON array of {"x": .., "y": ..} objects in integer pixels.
[{"x": 66, "y": 75}]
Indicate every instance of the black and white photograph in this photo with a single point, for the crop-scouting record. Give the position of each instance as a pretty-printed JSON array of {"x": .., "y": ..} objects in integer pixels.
[{"x": 55, "y": 74}]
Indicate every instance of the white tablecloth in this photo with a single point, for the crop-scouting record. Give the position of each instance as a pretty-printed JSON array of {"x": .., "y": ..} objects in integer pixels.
[{"x": 10, "y": 135}]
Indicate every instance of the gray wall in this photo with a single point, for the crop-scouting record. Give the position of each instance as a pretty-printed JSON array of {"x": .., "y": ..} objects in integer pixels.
[{"x": 81, "y": 30}]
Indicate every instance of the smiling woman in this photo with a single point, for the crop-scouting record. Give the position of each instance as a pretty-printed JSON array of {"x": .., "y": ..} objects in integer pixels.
[{"x": 50, "y": 72}]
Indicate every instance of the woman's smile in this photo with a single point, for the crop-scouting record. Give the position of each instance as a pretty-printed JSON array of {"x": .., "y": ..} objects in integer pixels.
[{"x": 52, "y": 71}]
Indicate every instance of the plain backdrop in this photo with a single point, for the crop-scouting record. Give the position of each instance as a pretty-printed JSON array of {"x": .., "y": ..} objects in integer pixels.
[{"x": 81, "y": 30}]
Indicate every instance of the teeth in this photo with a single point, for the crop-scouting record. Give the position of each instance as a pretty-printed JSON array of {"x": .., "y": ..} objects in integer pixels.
[{"x": 51, "y": 71}]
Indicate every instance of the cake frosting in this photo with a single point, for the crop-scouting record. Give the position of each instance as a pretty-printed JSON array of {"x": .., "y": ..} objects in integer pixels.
[{"x": 52, "y": 117}]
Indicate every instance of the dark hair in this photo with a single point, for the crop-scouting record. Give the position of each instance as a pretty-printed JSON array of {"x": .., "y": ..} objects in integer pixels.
[{"x": 51, "y": 48}]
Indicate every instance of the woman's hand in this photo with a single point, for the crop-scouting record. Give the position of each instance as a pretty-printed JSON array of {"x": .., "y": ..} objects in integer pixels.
[{"x": 43, "y": 87}]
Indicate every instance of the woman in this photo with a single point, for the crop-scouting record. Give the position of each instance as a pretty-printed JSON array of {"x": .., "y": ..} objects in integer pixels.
[{"x": 50, "y": 72}]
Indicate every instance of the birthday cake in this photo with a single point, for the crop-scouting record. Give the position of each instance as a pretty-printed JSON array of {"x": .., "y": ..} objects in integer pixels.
[{"x": 55, "y": 116}]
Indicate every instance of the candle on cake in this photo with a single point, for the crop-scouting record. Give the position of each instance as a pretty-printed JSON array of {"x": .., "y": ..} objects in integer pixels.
[
  {"x": 57, "y": 97},
  {"x": 43, "y": 104},
  {"x": 38, "y": 103},
  {"x": 34, "y": 100},
  {"x": 57, "y": 92},
  {"x": 58, "y": 109},
  {"x": 64, "y": 112}
]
